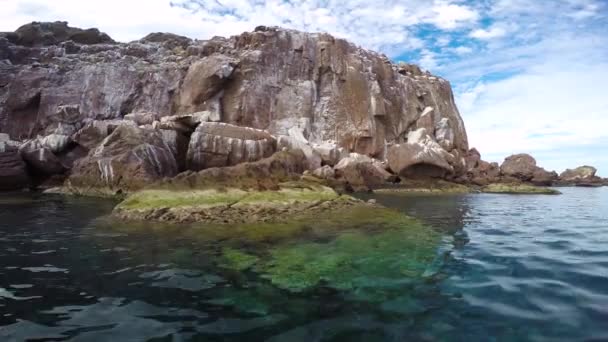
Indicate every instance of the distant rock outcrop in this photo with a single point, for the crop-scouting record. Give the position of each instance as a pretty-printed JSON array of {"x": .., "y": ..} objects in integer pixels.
[{"x": 581, "y": 176}]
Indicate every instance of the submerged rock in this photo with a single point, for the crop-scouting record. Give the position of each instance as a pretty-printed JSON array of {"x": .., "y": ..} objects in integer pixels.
[
  {"x": 230, "y": 206},
  {"x": 518, "y": 189},
  {"x": 266, "y": 190}
]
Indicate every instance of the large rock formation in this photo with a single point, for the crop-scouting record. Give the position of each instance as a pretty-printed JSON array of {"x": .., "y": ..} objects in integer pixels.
[
  {"x": 69, "y": 89},
  {"x": 269, "y": 79}
]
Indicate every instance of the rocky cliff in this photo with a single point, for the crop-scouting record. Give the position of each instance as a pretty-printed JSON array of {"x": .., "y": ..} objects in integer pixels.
[
  {"x": 63, "y": 90},
  {"x": 270, "y": 79}
]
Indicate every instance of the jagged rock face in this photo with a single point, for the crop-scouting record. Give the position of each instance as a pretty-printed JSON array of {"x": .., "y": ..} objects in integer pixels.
[
  {"x": 13, "y": 172},
  {"x": 128, "y": 159},
  {"x": 343, "y": 93},
  {"x": 216, "y": 144},
  {"x": 271, "y": 79}
]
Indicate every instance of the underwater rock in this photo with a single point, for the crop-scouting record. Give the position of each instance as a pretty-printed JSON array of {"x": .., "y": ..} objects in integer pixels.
[{"x": 518, "y": 189}]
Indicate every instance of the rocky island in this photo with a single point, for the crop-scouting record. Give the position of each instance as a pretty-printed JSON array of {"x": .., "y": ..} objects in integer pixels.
[{"x": 261, "y": 124}]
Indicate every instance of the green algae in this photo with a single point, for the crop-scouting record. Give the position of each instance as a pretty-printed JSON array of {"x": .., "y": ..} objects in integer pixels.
[
  {"x": 237, "y": 260},
  {"x": 362, "y": 250},
  {"x": 158, "y": 198},
  {"x": 425, "y": 186},
  {"x": 353, "y": 259},
  {"x": 518, "y": 189},
  {"x": 150, "y": 199}
]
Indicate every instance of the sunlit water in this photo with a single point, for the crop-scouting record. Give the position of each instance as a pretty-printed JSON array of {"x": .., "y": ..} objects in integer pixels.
[{"x": 515, "y": 268}]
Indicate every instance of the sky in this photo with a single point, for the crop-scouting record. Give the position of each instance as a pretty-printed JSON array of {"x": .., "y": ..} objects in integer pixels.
[{"x": 528, "y": 76}]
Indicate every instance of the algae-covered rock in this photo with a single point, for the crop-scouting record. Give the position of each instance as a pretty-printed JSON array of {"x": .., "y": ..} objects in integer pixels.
[
  {"x": 237, "y": 260},
  {"x": 230, "y": 205},
  {"x": 393, "y": 249},
  {"x": 434, "y": 186},
  {"x": 518, "y": 189}
]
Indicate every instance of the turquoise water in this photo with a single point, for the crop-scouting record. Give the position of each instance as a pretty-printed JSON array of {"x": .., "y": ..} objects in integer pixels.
[{"x": 512, "y": 268}]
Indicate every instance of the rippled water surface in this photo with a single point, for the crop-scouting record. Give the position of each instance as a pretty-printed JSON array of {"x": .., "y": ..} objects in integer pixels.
[{"x": 512, "y": 268}]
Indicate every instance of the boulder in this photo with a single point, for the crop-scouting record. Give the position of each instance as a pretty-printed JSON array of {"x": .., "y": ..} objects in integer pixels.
[
  {"x": 520, "y": 166},
  {"x": 362, "y": 172},
  {"x": 484, "y": 173},
  {"x": 581, "y": 173},
  {"x": 420, "y": 156},
  {"x": 543, "y": 177},
  {"x": 324, "y": 172},
  {"x": 204, "y": 79},
  {"x": 94, "y": 132},
  {"x": 296, "y": 140},
  {"x": 215, "y": 144},
  {"x": 41, "y": 159},
  {"x": 330, "y": 153},
  {"x": 126, "y": 160},
  {"x": 472, "y": 159},
  {"x": 13, "y": 170}
]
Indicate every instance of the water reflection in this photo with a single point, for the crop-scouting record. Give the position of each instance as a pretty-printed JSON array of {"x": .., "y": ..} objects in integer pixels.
[{"x": 534, "y": 268}]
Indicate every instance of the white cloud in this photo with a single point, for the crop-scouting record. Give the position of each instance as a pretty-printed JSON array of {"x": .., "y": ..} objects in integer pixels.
[
  {"x": 382, "y": 25},
  {"x": 428, "y": 60},
  {"x": 450, "y": 16},
  {"x": 462, "y": 50},
  {"x": 492, "y": 32},
  {"x": 543, "y": 110}
]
